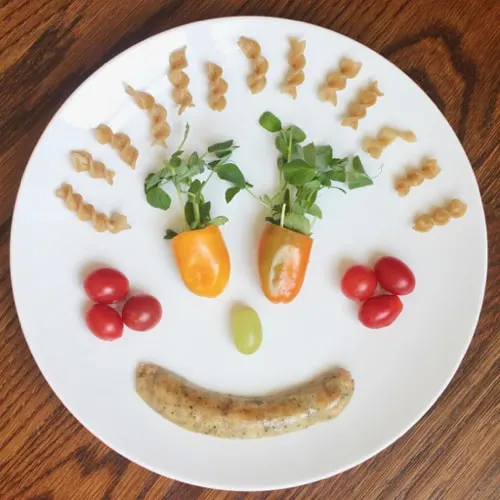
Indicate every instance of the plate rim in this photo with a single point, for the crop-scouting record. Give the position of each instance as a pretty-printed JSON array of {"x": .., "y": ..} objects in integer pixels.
[{"x": 318, "y": 477}]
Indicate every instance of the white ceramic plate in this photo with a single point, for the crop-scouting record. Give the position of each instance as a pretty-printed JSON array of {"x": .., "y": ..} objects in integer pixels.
[{"x": 399, "y": 371}]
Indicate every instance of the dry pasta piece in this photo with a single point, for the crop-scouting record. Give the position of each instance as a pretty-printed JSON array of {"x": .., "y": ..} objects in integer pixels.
[
  {"x": 357, "y": 108},
  {"x": 180, "y": 80},
  {"x": 256, "y": 80},
  {"x": 86, "y": 212},
  {"x": 337, "y": 80},
  {"x": 83, "y": 162},
  {"x": 386, "y": 135},
  {"x": 440, "y": 216},
  {"x": 156, "y": 112},
  {"x": 296, "y": 63},
  {"x": 415, "y": 176},
  {"x": 120, "y": 142},
  {"x": 217, "y": 87}
]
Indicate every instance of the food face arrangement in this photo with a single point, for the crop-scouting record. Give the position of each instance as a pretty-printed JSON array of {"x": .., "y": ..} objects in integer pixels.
[{"x": 304, "y": 171}]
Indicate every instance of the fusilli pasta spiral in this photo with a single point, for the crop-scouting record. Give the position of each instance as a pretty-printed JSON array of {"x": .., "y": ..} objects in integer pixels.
[
  {"x": 337, "y": 80},
  {"x": 217, "y": 87},
  {"x": 86, "y": 212},
  {"x": 415, "y": 176},
  {"x": 375, "y": 145},
  {"x": 180, "y": 80},
  {"x": 120, "y": 142},
  {"x": 83, "y": 162},
  {"x": 440, "y": 216},
  {"x": 296, "y": 63},
  {"x": 256, "y": 80},
  {"x": 357, "y": 109},
  {"x": 157, "y": 114}
]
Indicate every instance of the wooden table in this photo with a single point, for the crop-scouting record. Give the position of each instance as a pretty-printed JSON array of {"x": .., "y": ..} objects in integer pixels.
[{"x": 450, "y": 48}]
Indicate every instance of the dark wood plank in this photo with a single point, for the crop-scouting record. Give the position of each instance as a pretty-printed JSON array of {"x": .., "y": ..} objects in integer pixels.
[{"x": 47, "y": 48}]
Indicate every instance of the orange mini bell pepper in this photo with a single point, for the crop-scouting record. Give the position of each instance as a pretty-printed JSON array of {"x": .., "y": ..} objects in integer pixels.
[
  {"x": 203, "y": 260},
  {"x": 283, "y": 259},
  {"x": 199, "y": 249}
]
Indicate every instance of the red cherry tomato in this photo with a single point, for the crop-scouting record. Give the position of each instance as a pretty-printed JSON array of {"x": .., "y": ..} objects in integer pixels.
[
  {"x": 358, "y": 283},
  {"x": 394, "y": 276},
  {"x": 141, "y": 312},
  {"x": 380, "y": 311},
  {"x": 104, "y": 322},
  {"x": 106, "y": 285}
]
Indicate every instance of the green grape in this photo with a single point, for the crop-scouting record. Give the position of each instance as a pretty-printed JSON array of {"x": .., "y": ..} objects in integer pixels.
[{"x": 247, "y": 329}]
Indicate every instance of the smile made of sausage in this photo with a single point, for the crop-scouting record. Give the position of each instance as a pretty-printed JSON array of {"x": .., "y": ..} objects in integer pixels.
[{"x": 223, "y": 415}]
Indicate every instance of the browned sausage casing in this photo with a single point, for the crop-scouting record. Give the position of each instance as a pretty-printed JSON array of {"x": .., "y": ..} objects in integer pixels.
[{"x": 223, "y": 415}]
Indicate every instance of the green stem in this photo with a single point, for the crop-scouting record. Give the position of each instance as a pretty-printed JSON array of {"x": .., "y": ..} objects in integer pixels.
[
  {"x": 196, "y": 208},
  {"x": 254, "y": 196},
  {"x": 179, "y": 194},
  {"x": 289, "y": 159},
  {"x": 177, "y": 188},
  {"x": 205, "y": 182},
  {"x": 186, "y": 133},
  {"x": 283, "y": 183}
]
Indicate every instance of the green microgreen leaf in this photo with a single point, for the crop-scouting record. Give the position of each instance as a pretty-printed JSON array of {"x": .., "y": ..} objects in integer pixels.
[
  {"x": 357, "y": 176},
  {"x": 231, "y": 173},
  {"x": 219, "y": 221},
  {"x": 324, "y": 156},
  {"x": 169, "y": 234},
  {"x": 194, "y": 159},
  {"x": 325, "y": 180},
  {"x": 298, "y": 172},
  {"x": 224, "y": 155},
  {"x": 315, "y": 211},
  {"x": 220, "y": 146},
  {"x": 297, "y": 223},
  {"x": 189, "y": 214},
  {"x": 231, "y": 193},
  {"x": 358, "y": 181},
  {"x": 298, "y": 208},
  {"x": 357, "y": 166},
  {"x": 196, "y": 169},
  {"x": 297, "y": 152},
  {"x": 270, "y": 122},
  {"x": 205, "y": 212},
  {"x": 195, "y": 188},
  {"x": 296, "y": 133},
  {"x": 339, "y": 162},
  {"x": 315, "y": 184},
  {"x": 175, "y": 161},
  {"x": 158, "y": 198},
  {"x": 182, "y": 172},
  {"x": 338, "y": 175},
  {"x": 281, "y": 143},
  {"x": 153, "y": 180},
  {"x": 310, "y": 154}
]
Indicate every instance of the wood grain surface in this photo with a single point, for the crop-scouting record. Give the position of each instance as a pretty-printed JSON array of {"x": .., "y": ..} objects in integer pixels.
[{"x": 449, "y": 47}]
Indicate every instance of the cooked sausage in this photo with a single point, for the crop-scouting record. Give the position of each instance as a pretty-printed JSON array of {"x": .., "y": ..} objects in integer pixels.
[{"x": 224, "y": 415}]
